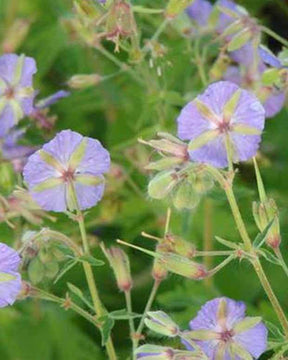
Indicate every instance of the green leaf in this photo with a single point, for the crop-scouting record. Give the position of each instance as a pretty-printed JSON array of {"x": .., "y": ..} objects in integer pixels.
[
  {"x": 68, "y": 266},
  {"x": 106, "y": 328},
  {"x": 269, "y": 257},
  {"x": 76, "y": 291},
  {"x": 261, "y": 237},
  {"x": 90, "y": 260}
]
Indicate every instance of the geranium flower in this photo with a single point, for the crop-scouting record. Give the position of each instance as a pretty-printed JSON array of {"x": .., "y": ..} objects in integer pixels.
[
  {"x": 16, "y": 91},
  {"x": 223, "y": 115},
  {"x": 10, "y": 279},
  {"x": 67, "y": 172},
  {"x": 200, "y": 11},
  {"x": 223, "y": 332}
]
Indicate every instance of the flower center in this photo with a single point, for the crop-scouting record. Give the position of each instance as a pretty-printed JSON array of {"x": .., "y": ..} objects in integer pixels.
[
  {"x": 224, "y": 127},
  {"x": 68, "y": 175},
  {"x": 9, "y": 93},
  {"x": 226, "y": 335}
]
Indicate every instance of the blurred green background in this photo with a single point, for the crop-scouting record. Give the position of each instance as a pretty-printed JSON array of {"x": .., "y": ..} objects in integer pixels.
[{"x": 117, "y": 112}]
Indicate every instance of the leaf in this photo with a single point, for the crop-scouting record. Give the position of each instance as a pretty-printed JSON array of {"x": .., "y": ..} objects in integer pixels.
[
  {"x": 106, "y": 328},
  {"x": 270, "y": 257},
  {"x": 90, "y": 260},
  {"x": 76, "y": 291},
  {"x": 68, "y": 266},
  {"x": 261, "y": 237},
  {"x": 123, "y": 314}
]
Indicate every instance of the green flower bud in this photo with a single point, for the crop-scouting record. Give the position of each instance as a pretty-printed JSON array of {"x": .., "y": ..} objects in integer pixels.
[
  {"x": 83, "y": 81},
  {"x": 36, "y": 270},
  {"x": 180, "y": 246},
  {"x": 154, "y": 352},
  {"x": 161, "y": 323},
  {"x": 185, "y": 196},
  {"x": 180, "y": 265},
  {"x": 159, "y": 271},
  {"x": 162, "y": 184}
]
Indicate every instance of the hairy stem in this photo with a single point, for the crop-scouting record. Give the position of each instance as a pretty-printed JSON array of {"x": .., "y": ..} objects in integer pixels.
[
  {"x": 131, "y": 321},
  {"x": 147, "y": 308}
]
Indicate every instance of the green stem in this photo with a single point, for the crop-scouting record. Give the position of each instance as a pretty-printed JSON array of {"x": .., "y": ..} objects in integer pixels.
[
  {"x": 213, "y": 253},
  {"x": 120, "y": 64},
  {"x": 208, "y": 239},
  {"x": 200, "y": 63},
  {"x": 147, "y": 308},
  {"x": 131, "y": 321},
  {"x": 256, "y": 262},
  {"x": 274, "y": 35},
  {"x": 41, "y": 294},
  {"x": 100, "y": 311}
]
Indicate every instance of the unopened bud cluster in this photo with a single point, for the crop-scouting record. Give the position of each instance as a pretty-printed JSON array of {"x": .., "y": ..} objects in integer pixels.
[{"x": 178, "y": 179}]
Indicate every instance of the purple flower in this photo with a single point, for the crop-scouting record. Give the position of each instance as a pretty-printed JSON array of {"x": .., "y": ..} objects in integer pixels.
[
  {"x": 16, "y": 91},
  {"x": 269, "y": 58},
  {"x": 67, "y": 172},
  {"x": 223, "y": 114},
  {"x": 223, "y": 332},
  {"x": 200, "y": 11},
  {"x": 14, "y": 152},
  {"x": 224, "y": 18},
  {"x": 10, "y": 279}
]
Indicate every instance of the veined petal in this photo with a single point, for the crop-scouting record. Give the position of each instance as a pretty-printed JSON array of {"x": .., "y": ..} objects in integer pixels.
[
  {"x": 205, "y": 111},
  {"x": 203, "y": 335},
  {"x": 50, "y": 160},
  {"x": 48, "y": 184},
  {"x": 220, "y": 352},
  {"x": 17, "y": 110},
  {"x": 18, "y": 70},
  {"x": 87, "y": 179},
  {"x": 246, "y": 324},
  {"x": 78, "y": 154},
  {"x": 203, "y": 139},
  {"x": 3, "y": 103},
  {"x": 222, "y": 311},
  {"x": 240, "y": 352},
  {"x": 4, "y": 277},
  {"x": 245, "y": 129},
  {"x": 231, "y": 106}
]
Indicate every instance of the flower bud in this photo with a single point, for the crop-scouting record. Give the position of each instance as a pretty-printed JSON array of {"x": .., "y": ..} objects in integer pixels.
[
  {"x": 180, "y": 246},
  {"x": 161, "y": 323},
  {"x": 83, "y": 81},
  {"x": 159, "y": 272},
  {"x": 87, "y": 10},
  {"x": 154, "y": 352},
  {"x": 162, "y": 184},
  {"x": 182, "y": 266},
  {"x": 176, "y": 7},
  {"x": 185, "y": 197},
  {"x": 15, "y": 35},
  {"x": 119, "y": 262}
]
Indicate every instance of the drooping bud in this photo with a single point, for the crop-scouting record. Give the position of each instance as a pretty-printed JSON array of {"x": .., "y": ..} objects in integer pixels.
[
  {"x": 180, "y": 265},
  {"x": 83, "y": 81},
  {"x": 15, "y": 35},
  {"x": 154, "y": 352},
  {"x": 162, "y": 184},
  {"x": 185, "y": 196},
  {"x": 176, "y": 7},
  {"x": 161, "y": 323},
  {"x": 120, "y": 264}
]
